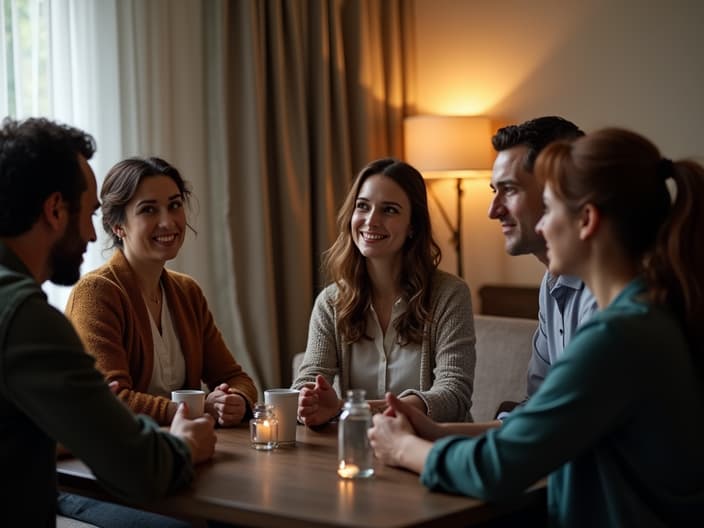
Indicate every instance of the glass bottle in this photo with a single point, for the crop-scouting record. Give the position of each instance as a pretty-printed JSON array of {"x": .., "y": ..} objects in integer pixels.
[
  {"x": 354, "y": 452},
  {"x": 264, "y": 428}
]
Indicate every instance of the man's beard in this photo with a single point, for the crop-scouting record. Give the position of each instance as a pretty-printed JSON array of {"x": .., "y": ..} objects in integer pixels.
[{"x": 67, "y": 255}]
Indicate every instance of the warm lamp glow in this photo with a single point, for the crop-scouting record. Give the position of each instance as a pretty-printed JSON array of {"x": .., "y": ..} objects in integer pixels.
[{"x": 449, "y": 146}]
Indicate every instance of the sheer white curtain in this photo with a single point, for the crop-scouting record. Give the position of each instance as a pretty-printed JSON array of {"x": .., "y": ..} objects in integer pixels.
[
  {"x": 59, "y": 60},
  {"x": 84, "y": 93},
  {"x": 23, "y": 57}
]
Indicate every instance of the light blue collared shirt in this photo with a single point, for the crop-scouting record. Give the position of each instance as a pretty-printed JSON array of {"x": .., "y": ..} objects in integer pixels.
[{"x": 565, "y": 303}]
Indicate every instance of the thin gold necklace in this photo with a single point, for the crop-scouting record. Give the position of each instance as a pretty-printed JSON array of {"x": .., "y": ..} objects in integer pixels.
[{"x": 156, "y": 299}]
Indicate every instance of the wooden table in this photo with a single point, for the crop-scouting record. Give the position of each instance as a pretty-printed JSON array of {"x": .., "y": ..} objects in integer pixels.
[{"x": 298, "y": 486}]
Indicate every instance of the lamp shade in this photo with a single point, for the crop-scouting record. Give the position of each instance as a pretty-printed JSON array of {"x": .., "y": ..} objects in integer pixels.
[{"x": 449, "y": 146}]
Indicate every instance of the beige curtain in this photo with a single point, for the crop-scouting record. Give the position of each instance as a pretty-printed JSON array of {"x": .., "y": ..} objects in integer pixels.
[{"x": 311, "y": 91}]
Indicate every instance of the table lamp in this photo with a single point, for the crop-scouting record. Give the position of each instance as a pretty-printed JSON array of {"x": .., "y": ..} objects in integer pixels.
[{"x": 450, "y": 147}]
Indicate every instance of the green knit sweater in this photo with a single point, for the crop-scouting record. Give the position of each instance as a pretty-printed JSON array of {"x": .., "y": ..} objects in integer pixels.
[{"x": 49, "y": 392}]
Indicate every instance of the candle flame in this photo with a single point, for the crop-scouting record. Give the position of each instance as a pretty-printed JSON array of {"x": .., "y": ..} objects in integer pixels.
[{"x": 347, "y": 470}]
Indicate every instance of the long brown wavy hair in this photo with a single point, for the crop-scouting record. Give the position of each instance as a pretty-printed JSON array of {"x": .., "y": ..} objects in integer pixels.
[
  {"x": 345, "y": 265},
  {"x": 624, "y": 176}
]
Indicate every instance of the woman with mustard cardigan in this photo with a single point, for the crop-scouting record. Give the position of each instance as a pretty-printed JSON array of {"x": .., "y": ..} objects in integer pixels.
[{"x": 149, "y": 328}]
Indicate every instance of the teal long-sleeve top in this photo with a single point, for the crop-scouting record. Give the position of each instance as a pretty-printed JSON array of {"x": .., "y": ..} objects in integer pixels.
[{"x": 617, "y": 425}]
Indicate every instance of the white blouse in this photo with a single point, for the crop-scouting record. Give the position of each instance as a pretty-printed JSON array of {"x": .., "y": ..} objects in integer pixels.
[
  {"x": 381, "y": 365},
  {"x": 169, "y": 371}
]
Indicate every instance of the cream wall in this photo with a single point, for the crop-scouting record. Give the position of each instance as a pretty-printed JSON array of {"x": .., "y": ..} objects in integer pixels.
[{"x": 632, "y": 63}]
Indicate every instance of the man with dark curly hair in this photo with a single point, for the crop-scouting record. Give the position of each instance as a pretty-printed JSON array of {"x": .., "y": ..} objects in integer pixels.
[{"x": 49, "y": 389}]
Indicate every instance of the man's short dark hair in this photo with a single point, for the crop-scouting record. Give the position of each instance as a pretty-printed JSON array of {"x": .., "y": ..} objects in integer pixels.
[
  {"x": 535, "y": 134},
  {"x": 37, "y": 158}
]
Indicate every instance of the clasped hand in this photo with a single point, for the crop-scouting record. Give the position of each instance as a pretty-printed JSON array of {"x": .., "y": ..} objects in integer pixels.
[
  {"x": 396, "y": 429},
  {"x": 318, "y": 402},
  {"x": 226, "y": 407}
]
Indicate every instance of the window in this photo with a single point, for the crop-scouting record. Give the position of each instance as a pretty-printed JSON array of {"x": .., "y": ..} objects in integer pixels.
[{"x": 24, "y": 58}]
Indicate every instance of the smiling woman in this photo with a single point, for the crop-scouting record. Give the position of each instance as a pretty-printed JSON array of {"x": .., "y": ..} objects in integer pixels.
[
  {"x": 381, "y": 221},
  {"x": 149, "y": 328},
  {"x": 390, "y": 321}
]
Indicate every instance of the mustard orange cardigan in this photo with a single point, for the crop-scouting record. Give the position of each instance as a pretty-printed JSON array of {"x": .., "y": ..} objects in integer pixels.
[{"x": 109, "y": 313}]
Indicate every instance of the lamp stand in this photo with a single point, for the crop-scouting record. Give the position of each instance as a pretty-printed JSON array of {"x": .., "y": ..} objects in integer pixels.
[{"x": 456, "y": 230}]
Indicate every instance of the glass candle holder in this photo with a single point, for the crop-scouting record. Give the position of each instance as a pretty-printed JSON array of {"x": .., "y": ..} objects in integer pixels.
[
  {"x": 355, "y": 455},
  {"x": 264, "y": 428}
]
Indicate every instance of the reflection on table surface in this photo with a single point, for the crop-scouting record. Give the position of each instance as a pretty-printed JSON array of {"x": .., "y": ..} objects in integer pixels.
[{"x": 299, "y": 486}]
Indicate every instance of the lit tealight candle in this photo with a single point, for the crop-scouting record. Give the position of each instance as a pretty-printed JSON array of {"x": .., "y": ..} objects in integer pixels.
[
  {"x": 264, "y": 432},
  {"x": 263, "y": 428},
  {"x": 347, "y": 470}
]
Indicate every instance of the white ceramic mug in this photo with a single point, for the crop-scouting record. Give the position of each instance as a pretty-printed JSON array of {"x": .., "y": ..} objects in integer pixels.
[
  {"x": 195, "y": 399},
  {"x": 285, "y": 402}
]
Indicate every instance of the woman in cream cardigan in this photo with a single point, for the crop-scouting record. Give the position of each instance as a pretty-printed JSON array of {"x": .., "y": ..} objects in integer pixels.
[
  {"x": 390, "y": 320},
  {"x": 150, "y": 328}
]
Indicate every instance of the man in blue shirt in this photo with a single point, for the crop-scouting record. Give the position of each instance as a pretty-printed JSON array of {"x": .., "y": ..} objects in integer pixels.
[{"x": 564, "y": 302}]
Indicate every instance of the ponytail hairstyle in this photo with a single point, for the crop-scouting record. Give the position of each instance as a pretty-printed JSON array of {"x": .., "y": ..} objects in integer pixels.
[
  {"x": 675, "y": 267},
  {"x": 625, "y": 177},
  {"x": 346, "y": 267}
]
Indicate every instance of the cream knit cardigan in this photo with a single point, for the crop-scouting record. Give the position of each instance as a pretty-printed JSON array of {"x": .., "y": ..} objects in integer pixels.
[{"x": 448, "y": 357}]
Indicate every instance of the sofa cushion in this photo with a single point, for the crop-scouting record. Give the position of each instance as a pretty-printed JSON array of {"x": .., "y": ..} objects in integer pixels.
[{"x": 504, "y": 346}]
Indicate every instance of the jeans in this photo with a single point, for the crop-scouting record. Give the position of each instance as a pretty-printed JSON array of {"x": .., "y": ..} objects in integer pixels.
[{"x": 109, "y": 515}]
